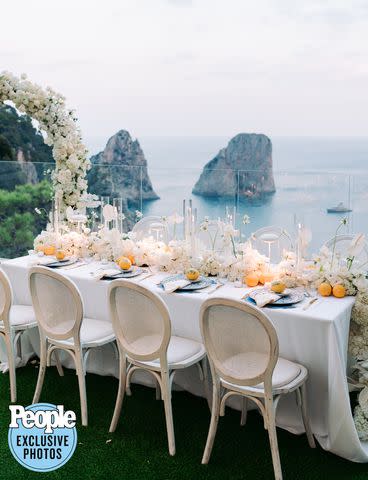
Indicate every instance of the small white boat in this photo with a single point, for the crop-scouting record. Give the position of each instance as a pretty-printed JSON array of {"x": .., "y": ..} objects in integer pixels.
[{"x": 340, "y": 208}]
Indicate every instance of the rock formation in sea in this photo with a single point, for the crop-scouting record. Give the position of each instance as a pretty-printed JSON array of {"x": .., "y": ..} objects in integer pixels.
[
  {"x": 243, "y": 168},
  {"x": 120, "y": 170}
]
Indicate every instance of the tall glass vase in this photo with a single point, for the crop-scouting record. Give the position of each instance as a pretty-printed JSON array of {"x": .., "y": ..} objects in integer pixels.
[
  {"x": 118, "y": 222},
  {"x": 55, "y": 215},
  {"x": 104, "y": 201}
]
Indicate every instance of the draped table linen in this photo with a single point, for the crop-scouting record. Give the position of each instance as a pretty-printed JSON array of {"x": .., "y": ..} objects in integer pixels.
[{"x": 316, "y": 337}]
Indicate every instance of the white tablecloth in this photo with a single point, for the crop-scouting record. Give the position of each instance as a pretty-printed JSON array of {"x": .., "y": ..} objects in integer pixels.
[{"x": 316, "y": 337}]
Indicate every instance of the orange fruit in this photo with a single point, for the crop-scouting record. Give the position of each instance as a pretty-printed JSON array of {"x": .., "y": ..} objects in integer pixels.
[
  {"x": 132, "y": 259},
  {"x": 251, "y": 279},
  {"x": 325, "y": 289},
  {"x": 265, "y": 277},
  {"x": 124, "y": 263},
  {"x": 339, "y": 291},
  {"x": 60, "y": 254},
  {"x": 192, "y": 274},
  {"x": 49, "y": 250},
  {"x": 277, "y": 286}
]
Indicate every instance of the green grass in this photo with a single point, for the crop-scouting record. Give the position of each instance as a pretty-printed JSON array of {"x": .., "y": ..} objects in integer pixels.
[{"x": 138, "y": 449}]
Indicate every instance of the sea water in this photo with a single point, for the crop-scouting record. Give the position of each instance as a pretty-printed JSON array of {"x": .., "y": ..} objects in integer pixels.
[{"x": 311, "y": 174}]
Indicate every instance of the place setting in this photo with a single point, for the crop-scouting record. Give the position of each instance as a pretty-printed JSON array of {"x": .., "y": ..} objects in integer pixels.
[
  {"x": 190, "y": 282},
  {"x": 276, "y": 295},
  {"x": 123, "y": 268},
  {"x": 53, "y": 258}
]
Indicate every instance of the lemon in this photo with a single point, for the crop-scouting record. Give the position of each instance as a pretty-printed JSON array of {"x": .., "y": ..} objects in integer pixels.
[
  {"x": 251, "y": 279},
  {"x": 60, "y": 254},
  {"x": 124, "y": 263},
  {"x": 192, "y": 274},
  {"x": 325, "y": 289},
  {"x": 277, "y": 286},
  {"x": 339, "y": 291}
]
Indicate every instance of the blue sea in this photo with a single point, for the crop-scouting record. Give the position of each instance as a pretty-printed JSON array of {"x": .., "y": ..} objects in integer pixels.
[{"x": 311, "y": 174}]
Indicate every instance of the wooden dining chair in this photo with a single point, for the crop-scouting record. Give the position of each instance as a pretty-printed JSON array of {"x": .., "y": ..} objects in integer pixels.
[
  {"x": 59, "y": 312},
  {"x": 243, "y": 353},
  {"x": 142, "y": 327},
  {"x": 14, "y": 321}
]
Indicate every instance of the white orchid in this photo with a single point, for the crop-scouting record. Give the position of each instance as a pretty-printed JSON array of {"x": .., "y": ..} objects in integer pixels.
[
  {"x": 175, "y": 219},
  {"x": 357, "y": 246}
]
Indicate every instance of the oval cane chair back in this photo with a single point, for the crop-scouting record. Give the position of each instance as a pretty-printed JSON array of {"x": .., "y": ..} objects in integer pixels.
[
  {"x": 240, "y": 340},
  {"x": 5, "y": 300},
  {"x": 342, "y": 245},
  {"x": 140, "y": 319},
  {"x": 57, "y": 304}
]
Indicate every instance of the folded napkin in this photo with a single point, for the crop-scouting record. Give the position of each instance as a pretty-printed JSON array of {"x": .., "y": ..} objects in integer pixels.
[
  {"x": 43, "y": 261},
  {"x": 109, "y": 272},
  {"x": 264, "y": 298},
  {"x": 172, "y": 285}
]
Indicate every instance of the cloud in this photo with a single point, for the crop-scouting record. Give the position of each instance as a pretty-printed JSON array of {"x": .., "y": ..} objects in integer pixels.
[
  {"x": 332, "y": 12},
  {"x": 181, "y": 3}
]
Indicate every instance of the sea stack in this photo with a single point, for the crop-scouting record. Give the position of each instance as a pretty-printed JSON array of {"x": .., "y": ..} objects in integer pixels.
[
  {"x": 242, "y": 168},
  {"x": 120, "y": 170}
]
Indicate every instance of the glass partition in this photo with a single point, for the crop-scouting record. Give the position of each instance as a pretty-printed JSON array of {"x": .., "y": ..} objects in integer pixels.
[{"x": 299, "y": 197}]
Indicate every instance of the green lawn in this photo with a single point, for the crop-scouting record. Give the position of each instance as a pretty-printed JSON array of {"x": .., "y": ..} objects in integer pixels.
[{"x": 138, "y": 449}]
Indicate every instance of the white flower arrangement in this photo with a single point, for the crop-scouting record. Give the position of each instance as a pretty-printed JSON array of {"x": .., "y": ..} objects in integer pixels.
[
  {"x": 72, "y": 243},
  {"x": 331, "y": 268},
  {"x": 175, "y": 258},
  {"x": 211, "y": 263},
  {"x": 61, "y": 133}
]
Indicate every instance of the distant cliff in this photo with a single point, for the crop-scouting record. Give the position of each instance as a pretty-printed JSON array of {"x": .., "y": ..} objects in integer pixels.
[
  {"x": 243, "y": 168},
  {"x": 120, "y": 170},
  {"x": 20, "y": 145}
]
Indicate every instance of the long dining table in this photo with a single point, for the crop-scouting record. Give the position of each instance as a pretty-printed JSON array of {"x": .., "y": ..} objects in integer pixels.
[{"x": 316, "y": 337}]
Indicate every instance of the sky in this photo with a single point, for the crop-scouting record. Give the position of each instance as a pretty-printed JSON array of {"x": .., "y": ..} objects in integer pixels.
[{"x": 197, "y": 67}]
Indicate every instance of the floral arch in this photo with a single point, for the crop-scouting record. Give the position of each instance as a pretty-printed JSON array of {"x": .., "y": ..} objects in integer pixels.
[{"x": 61, "y": 133}]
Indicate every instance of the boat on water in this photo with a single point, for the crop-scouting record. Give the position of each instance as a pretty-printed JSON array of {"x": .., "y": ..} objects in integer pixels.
[{"x": 340, "y": 208}]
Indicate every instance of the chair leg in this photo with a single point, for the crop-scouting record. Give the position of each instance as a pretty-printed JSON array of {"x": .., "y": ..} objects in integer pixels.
[
  {"x": 158, "y": 391},
  {"x": 166, "y": 397},
  {"x": 271, "y": 426},
  {"x": 58, "y": 364},
  {"x": 120, "y": 394},
  {"x": 215, "y": 413},
  {"x": 302, "y": 391},
  {"x": 207, "y": 391},
  {"x": 42, "y": 370},
  {"x": 244, "y": 411},
  {"x": 11, "y": 363},
  {"x": 82, "y": 386}
]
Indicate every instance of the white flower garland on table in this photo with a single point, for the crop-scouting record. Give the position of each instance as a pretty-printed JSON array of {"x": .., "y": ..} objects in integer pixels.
[
  {"x": 332, "y": 268},
  {"x": 62, "y": 134},
  {"x": 72, "y": 243}
]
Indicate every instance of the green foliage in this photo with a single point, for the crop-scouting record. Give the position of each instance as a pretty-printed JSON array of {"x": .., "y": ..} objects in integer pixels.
[
  {"x": 19, "y": 223},
  {"x": 5, "y": 149},
  {"x": 19, "y": 133}
]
